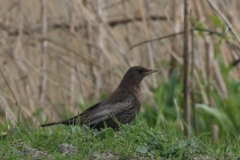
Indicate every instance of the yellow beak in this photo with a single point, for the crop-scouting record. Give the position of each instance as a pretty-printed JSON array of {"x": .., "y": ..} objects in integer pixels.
[{"x": 150, "y": 71}]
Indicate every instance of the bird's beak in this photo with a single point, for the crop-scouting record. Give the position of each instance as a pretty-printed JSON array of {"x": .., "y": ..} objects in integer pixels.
[{"x": 150, "y": 71}]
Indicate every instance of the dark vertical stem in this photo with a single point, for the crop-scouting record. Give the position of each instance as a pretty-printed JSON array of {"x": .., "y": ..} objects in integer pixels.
[
  {"x": 185, "y": 66},
  {"x": 193, "y": 82}
]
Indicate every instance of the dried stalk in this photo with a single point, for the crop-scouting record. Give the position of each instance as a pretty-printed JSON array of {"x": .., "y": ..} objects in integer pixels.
[
  {"x": 16, "y": 101},
  {"x": 5, "y": 109},
  {"x": 186, "y": 70},
  {"x": 174, "y": 39},
  {"x": 209, "y": 54},
  {"x": 44, "y": 44},
  {"x": 150, "y": 52},
  {"x": 193, "y": 83},
  {"x": 100, "y": 43},
  {"x": 89, "y": 36},
  {"x": 179, "y": 120},
  {"x": 23, "y": 69},
  {"x": 208, "y": 67},
  {"x": 71, "y": 59}
]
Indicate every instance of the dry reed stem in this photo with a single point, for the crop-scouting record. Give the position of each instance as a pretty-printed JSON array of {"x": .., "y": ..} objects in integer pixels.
[
  {"x": 19, "y": 63},
  {"x": 44, "y": 44},
  {"x": 180, "y": 123},
  {"x": 100, "y": 38},
  {"x": 209, "y": 54},
  {"x": 150, "y": 52},
  {"x": 193, "y": 96},
  {"x": 72, "y": 59},
  {"x": 176, "y": 28},
  {"x": 187, "y": 115},
  {"x": 16, "y": 101}
]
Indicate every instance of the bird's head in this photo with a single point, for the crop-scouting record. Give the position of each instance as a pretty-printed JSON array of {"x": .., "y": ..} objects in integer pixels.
[{"x": 137, "y": 73}]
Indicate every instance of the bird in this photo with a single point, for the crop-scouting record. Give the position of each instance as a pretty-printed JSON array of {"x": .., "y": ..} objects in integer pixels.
[{"x": 120, "y": 107}]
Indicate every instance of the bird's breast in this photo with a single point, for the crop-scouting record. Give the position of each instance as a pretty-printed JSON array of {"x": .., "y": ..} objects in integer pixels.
[
  {"x": 138, "y": 96},
  {"x": 137, "y": 93}
]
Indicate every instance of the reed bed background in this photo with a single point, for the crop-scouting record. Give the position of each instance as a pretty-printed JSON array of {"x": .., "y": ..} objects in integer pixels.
[{"x": 59, "y": 57}]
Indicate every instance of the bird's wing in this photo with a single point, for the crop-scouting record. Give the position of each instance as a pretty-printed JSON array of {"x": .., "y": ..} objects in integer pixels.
[
  {"x": 110, "y": 108},
  {"x": 74, "y": 120},
  {"x": 101, "y": 111}
]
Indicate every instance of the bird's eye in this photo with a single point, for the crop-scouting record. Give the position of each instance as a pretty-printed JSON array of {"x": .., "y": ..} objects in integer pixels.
[{"x": 141, "y": 71}]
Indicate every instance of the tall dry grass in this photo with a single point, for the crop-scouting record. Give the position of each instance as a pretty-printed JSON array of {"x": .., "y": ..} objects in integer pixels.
[{"x": 54, "y": 52}]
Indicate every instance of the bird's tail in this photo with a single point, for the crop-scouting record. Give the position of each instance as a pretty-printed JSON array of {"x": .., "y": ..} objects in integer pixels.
[
  {"x": 49, "y": 124},
  {"x": 71, "y": 121}
]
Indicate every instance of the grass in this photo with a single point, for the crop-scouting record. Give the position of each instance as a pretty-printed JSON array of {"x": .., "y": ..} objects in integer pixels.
[{"x": 134, "y": 141}]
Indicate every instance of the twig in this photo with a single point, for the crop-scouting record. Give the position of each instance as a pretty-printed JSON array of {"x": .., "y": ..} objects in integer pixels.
[
  {"x": 157, "y": 39},
  {"x": 175, "y": 34},
  {"x": 210, "y": 32},
  {"x": 115, "y": 22},
  {"x": 234, "y": 47},
  {"x": 235, "y": 63}
]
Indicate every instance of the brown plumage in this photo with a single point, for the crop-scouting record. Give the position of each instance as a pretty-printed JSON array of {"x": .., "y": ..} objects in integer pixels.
[{"x": 122, "y": 105}]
